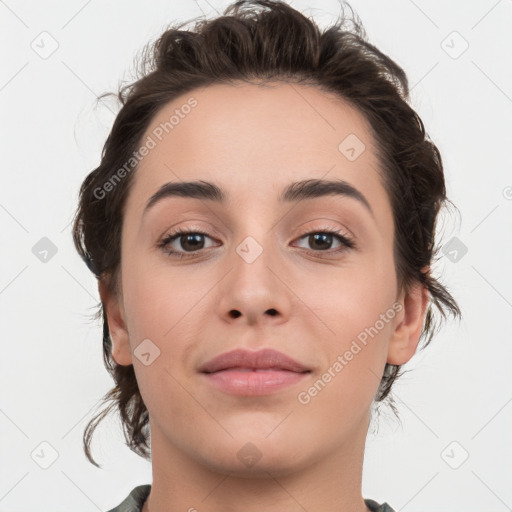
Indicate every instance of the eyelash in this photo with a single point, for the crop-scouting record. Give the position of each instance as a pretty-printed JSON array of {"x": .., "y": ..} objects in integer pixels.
[{"x": 347, "y": 243}]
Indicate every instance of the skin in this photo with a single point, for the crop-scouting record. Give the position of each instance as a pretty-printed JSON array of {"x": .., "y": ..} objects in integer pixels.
[{"x": 253, "y": 141}]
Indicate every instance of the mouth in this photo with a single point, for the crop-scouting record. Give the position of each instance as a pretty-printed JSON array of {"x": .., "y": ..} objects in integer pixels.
[
  {"x": 253, "y": 381},
  {"x": 241, "y": 372}
]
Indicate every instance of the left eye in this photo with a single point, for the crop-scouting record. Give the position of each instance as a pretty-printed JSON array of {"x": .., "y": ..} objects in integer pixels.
[{"x": 321, "y": 239}]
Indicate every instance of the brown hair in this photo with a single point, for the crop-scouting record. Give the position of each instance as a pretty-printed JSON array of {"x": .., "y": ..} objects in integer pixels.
[{"x": 256, "y": 41}]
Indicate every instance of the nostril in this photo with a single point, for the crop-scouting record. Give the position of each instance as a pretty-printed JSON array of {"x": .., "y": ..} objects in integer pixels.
[
  {"x": 272, "y": 312},
  {"x": 234, "y": 313}
]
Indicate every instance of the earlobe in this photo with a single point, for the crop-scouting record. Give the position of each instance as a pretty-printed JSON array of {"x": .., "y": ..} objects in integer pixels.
[
  {"x": 121, "y": 351},
  {"x": 407, "y": 331}
]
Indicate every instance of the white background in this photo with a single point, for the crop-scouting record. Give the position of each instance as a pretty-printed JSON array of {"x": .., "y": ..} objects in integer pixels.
[{"x": 51, "y": 366}]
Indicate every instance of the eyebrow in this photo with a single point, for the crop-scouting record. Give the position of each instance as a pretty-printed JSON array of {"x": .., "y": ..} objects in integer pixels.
[{"x": 297, "y": 191}]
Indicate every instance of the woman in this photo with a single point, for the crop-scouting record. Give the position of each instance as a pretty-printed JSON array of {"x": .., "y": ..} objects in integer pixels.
[{"x": 262, "y": 227}]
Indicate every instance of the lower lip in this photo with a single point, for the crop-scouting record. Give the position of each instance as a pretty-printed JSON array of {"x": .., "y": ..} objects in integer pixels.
[{"x": 253, "y": 382}]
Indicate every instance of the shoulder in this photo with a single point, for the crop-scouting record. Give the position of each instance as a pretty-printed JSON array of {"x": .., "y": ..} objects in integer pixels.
[
  {"x": 376, "y": 507},
  {"x": 134, "y": 501}
]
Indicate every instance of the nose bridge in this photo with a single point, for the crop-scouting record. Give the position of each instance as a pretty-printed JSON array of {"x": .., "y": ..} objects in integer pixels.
[
  {"x": 256, "y": 235},
  {"x": 254, "y": 260}
]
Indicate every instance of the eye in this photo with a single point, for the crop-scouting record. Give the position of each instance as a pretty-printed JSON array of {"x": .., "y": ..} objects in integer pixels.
[
  {"x": 321, "y": 241},
  {"x": 189, "y": 240}
]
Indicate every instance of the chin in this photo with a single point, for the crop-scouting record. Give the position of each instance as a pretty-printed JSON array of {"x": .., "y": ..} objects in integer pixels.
[
  {"x": 256, "y": 456},
  {"x": 263, "y": 469}
]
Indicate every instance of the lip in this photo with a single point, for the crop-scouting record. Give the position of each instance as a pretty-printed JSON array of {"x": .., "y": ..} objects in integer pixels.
[
  {"x": 242, "y": 372},
  {"x": 263, "y": 359}
]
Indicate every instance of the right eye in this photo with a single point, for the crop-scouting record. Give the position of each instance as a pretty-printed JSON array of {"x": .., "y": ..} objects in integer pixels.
[{"x": 189, "y": 240}]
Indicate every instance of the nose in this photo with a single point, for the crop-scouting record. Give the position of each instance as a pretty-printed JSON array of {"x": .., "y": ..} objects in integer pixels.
[{"x": 254, "y": 291}]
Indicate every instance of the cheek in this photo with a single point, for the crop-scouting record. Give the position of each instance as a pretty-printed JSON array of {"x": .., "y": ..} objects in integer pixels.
[
  {"x": 353, "y": 324},
  {"x": 348, "y": 299},
  {"x": 156, "y": 299},
  {"x": 159, "y": 306},
  {"x": 345, "y": 386}
]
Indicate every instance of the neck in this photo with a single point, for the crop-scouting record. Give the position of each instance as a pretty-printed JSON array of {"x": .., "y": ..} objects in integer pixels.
[{"x": 330, "y": 483}]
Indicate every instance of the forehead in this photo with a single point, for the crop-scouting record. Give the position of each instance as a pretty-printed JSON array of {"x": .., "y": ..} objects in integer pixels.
[{"x": 257, "y": 138}]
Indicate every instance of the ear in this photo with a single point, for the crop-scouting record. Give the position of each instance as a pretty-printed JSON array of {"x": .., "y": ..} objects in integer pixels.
[
  {"x": 121, "y": 351},
  {"x": 409, "y": 324}
]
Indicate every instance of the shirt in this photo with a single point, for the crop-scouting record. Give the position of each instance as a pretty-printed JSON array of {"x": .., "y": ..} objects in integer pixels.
[{"x": 135, "y": 500}]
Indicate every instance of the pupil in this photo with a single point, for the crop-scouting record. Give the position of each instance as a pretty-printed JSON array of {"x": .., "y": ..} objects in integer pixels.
[
  {"x": 326, "y": 237},
  {"x": 188, "y": 238}
]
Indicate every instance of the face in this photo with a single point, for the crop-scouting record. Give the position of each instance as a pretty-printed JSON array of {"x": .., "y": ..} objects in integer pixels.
[{"x": 311, "y": 276}]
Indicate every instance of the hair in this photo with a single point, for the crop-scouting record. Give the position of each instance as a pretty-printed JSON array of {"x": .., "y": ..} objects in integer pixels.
[{"x": 262, "y": 41}]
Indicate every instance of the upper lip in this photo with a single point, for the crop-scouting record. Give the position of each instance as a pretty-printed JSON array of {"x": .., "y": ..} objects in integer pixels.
[{"x": 261, "y": 359}]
